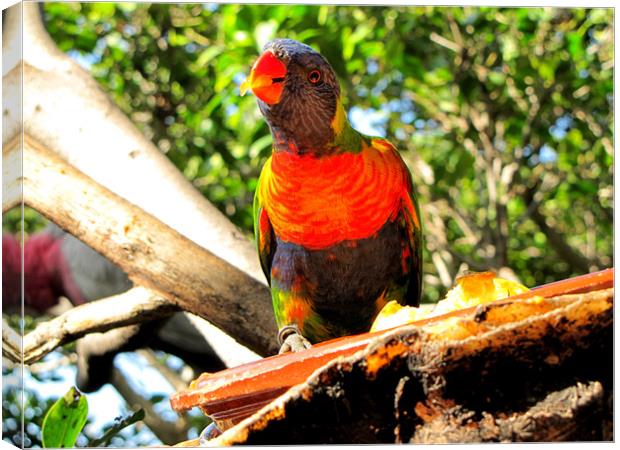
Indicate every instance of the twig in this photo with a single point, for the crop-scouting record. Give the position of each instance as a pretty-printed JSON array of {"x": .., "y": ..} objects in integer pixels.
[
  {"x": 447, "y": 43},
  {"x": 168, "y": 432},
  {"x": 11, "y": 343},
  {"x": 134, "y": 306},
  {"x": 116, "y": 427}
]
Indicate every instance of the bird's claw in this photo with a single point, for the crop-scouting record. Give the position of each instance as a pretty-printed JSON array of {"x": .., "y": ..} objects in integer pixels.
[{"x": 291, "y": 340}]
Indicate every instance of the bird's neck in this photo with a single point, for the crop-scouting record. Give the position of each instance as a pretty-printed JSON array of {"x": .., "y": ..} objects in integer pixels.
[{"x": 340, "y": 138}]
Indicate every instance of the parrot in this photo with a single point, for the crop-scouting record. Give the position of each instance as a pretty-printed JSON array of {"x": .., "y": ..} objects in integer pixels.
[
  {"x": 58, "y": 264},
  {"x": 336, "y": 219}
]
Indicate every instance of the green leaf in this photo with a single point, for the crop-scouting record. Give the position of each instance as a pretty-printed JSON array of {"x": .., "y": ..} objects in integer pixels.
[
  {"x": 575, "y": 45},
  {"x": 64, "y": 420}
]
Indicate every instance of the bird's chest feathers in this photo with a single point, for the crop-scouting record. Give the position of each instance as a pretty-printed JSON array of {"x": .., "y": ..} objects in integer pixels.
[{"x": 319, "y": 202}]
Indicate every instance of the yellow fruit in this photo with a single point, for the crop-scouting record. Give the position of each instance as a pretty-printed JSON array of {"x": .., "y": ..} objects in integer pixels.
[
  {"x": 471, "y": 290},
  {"x": 394, "y": 314}
]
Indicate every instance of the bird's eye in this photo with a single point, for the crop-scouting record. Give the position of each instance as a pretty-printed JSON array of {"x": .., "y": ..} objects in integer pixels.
[{"x": 314, "y": 76}]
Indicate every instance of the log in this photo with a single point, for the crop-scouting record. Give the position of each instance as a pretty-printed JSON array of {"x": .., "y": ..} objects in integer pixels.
[
  {"x": 231, "y": 395},
  {"x": 153, "y": 255},
  {"x": 523, "y": 370}
]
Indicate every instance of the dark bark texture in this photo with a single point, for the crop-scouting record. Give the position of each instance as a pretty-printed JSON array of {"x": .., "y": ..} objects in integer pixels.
[{"x": 519, "y": 371}]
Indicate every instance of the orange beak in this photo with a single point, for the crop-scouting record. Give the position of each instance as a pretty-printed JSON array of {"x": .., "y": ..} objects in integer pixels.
[{"x": 266, "y": 79}]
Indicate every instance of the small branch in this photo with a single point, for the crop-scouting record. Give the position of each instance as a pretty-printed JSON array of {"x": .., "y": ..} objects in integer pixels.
[
  {"x": 134, "y": 306},
  {"x": 118, "y": 425},
  {"x": 456, "y": 32},
  {"x": 11, "y": 343},
  {"x": 444, "y": 42}
]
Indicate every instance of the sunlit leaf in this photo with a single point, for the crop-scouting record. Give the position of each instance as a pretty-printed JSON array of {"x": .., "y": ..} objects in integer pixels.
[{"x": 65, "y": 419}]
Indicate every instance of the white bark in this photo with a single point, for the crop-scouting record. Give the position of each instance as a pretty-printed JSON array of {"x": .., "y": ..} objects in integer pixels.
[
  {"x": 151, "y": 253},
  {"x": 64, "y": 108}
]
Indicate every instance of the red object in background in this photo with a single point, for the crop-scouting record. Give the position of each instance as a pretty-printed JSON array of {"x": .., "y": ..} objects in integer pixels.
[{"x": 232, "y": 395}]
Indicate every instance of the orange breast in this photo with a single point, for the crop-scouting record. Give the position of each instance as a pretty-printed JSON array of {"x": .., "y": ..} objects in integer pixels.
[{"x": 318, "y": 202}]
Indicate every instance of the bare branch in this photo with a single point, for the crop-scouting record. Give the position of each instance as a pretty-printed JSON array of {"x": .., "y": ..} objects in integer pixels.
[
  {"x": 444, "y": 42},
  {"x": 456, "y": 32},
  {"x": 102, "y": 143},
  {"x": 150, "y": 252},
  {"x": 11, "y": 343},
  {"x": 134, "y": 306}
]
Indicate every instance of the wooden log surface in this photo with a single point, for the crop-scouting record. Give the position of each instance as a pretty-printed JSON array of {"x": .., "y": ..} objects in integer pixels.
[
  {"x": 153, "y": 255},
  {"x": 231, "y": 395},
  {"x": 511, "y": 371}
]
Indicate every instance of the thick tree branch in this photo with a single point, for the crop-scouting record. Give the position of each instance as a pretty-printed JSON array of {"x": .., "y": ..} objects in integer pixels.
[
  {"x": 134, "y": 306},
  {"x": 64, "y": 107},
  {"x": 151, "y": 253},
  {"x": 101, "y": 142},
  {"x": 11, "y": 175}
]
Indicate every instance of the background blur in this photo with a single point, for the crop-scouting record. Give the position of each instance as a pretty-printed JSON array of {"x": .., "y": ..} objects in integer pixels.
[{"x": 504, "y": 117}]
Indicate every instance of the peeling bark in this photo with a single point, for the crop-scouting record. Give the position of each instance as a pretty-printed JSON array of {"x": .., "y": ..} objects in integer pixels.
[{"x": 518, "y": 371}]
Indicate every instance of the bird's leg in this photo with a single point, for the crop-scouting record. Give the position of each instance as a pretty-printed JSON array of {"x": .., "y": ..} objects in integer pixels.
[{"x": 291, "y": 340}]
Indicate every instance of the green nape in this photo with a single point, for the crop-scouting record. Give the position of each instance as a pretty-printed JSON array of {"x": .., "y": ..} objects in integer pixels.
[{"x": 346, "y": 139}]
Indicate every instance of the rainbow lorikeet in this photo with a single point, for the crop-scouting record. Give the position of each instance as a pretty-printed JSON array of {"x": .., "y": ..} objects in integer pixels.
[{"x": 336, "y": 220}]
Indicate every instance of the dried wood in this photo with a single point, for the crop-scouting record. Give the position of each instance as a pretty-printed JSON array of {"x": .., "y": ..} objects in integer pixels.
[
  {"x": 534, "y": 370},
  {"x": 151, "y": 253},
  {"x": 134, "y": 306}
]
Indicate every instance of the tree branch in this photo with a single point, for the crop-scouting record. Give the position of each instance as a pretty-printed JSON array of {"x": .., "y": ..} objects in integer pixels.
[
  {"x": 64, "y": 107},
  {"x": 134, "y": 306},
  {"x": 150, "y": 252},
  {"x": 11, "y": 175},
  {"x": 11, "y": 343}
]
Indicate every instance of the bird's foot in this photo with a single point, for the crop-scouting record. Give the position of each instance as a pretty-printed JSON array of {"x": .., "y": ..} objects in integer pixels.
[{"x": 291, "y": 340}]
